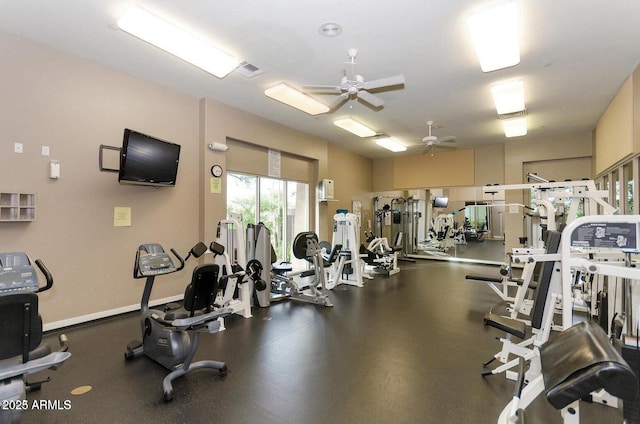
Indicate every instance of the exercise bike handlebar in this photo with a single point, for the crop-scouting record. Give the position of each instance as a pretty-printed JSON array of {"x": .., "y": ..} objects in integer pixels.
[
  {"x": 47, "y": 276},
  {"x": 177, "y": 255}
]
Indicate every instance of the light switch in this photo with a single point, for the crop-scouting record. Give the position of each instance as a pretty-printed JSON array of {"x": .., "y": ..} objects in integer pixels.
[{"x": 17, "y": 147}]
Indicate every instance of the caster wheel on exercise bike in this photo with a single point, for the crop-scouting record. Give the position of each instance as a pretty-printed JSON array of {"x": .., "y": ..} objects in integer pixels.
[{"x": 168, "y": 396}]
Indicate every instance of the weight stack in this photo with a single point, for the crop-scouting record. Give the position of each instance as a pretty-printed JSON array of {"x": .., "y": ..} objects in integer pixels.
[
  {"x": 259, "y": 248},
  {"x": 631, "y": 409}
]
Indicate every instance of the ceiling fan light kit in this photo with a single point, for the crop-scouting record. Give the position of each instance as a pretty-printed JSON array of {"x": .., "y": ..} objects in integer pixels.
[{"x": 178, "y": 42}]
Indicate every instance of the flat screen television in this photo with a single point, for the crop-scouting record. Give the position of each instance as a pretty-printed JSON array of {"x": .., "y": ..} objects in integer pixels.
[
  {"x": 147, "y": 160},
  {"x": 440, "y": 202}
]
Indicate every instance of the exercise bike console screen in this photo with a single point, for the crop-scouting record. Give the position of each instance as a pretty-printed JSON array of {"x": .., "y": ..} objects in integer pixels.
[
  {"x": 153, "y": 260},
  {"x": 16, "y": 273}
]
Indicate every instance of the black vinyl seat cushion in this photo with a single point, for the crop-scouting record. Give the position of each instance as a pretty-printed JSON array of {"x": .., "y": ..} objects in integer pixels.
[
  {"x": 581, "y": 360},
  {"x": 20, "y": 325}
]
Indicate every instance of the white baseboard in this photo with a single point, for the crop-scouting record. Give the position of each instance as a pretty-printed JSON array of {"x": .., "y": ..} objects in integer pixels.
[{"x": 105, "y": 314}]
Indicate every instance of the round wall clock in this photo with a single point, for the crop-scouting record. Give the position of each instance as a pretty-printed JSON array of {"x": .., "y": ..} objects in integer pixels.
[{"x": 216, "y": 171}]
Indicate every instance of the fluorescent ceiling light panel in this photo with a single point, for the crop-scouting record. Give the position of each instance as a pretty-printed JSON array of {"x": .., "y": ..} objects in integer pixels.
[
  {"x": 178, "y": 42},
  {"x": 515, "y": 127},
  {"x": 390, "y": 144},
  {"x": 508, "y": 96},
  {"x": 495, "y": 34},
  {"x": 354, "y": 127},
  {"x": 290, "y": 96}
]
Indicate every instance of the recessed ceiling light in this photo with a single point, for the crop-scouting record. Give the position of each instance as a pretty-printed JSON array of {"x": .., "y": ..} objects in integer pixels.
[{"x": 330, "y": 29}]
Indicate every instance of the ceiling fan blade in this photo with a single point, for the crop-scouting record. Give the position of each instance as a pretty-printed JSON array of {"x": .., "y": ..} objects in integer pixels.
[
  {"x": 338, "y": 101},
  {"x": 374, "y": 101},
  {"x": 321, "y": 88},
  {"x": 384, "y": 82},
  {"x": 448, "y": 145}
]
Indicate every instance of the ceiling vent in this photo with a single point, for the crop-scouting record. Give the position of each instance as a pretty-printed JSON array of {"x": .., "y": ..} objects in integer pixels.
[
  {"x": 511, "y": 115},
  {"x": 248, "y": 70}
]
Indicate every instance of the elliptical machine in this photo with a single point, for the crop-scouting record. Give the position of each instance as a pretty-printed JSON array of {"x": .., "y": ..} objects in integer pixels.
[
  {"x": 21, "y": 353},
  {"x": 165, "y": 337}
]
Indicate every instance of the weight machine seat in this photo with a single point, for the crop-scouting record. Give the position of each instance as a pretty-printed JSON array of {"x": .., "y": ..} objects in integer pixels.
[
  {"x": 581, "y": 360},
  {"x": 300, "y": 248}
]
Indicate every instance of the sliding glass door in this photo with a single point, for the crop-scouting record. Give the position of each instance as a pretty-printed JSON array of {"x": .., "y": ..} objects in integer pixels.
[{"x": 283, "y": 206}]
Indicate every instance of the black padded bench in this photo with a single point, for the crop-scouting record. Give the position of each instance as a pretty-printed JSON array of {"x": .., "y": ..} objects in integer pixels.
[
  {"x": 581, "y": 360},
  {"x": 516, "y": 327}
]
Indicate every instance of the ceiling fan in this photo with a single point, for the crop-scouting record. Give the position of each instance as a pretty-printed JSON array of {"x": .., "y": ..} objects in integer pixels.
[
  {"x": 431, "y": 141},
  {"x": 356, "y": 86}
]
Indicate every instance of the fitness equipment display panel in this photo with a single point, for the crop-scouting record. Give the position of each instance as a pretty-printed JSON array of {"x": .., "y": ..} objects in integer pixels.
[{"x": 17, "y": 273}]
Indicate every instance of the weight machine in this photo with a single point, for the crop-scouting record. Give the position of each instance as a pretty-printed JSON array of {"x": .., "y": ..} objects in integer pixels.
[
  {"x": 380, "y": 256},
  {"x": 551, "y": 199},
  {"x": 231, "y": 258},
  {"x": 401, "y": 217},
  {"x": 284, "y": 286},
  {"x": 348, "y": 268},
  {"x": 259, "y": 250}
]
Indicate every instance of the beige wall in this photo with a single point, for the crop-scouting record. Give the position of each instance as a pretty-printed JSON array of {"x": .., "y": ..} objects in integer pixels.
[
  {"x": 616, "y": 137},
  {"x": 73, "y": 106},
  {"x": 614, "y": 131},
  {"x": 352, "y": 182},
  {"x": 480, "y": 166},
  {"x": 441, "y": 169},
  {"x": 489, "y": 164}
]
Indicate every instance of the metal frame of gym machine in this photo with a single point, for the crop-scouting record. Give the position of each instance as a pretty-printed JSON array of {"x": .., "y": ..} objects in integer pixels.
[{"x": 406, "y": 208}]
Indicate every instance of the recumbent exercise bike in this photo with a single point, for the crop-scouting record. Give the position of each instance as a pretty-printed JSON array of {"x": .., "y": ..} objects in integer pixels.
[
  {"x": 21, "y": 353},
  {"x": 165, "y": 335}
]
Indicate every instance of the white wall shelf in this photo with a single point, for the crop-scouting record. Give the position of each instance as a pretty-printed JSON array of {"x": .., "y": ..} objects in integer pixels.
[{"x": 17, "y": 207}]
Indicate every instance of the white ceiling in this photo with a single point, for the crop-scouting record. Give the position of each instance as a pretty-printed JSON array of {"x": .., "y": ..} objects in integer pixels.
[{"x": 575, "y": 55}]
